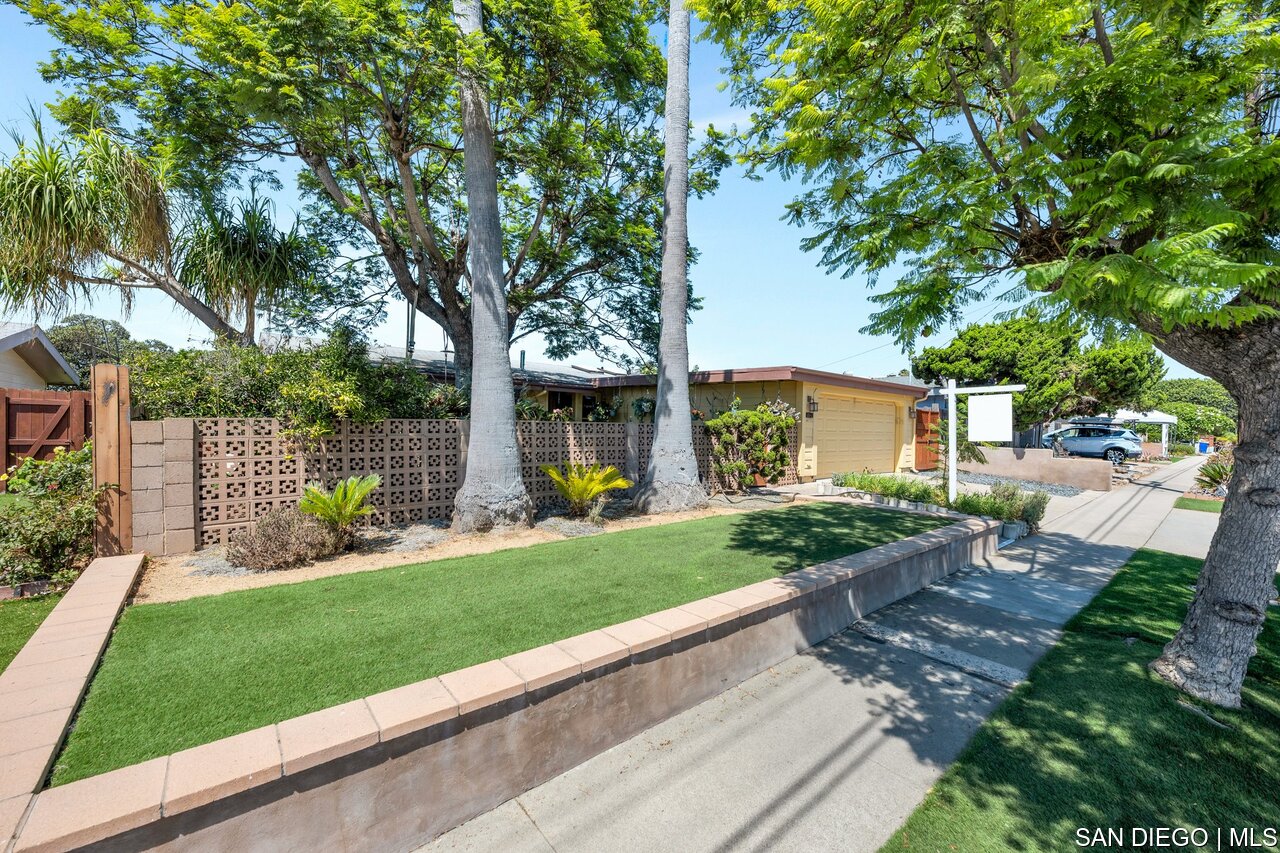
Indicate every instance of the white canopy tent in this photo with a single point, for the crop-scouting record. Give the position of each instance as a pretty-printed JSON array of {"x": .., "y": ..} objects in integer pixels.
[{"x": 1153, "y": 417}]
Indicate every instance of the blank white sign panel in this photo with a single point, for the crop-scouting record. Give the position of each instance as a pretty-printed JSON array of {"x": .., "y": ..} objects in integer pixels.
[{"x": 991, "y": 417}]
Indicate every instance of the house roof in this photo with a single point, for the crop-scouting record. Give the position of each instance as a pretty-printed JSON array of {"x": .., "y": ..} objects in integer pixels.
[
  {"x": 774, "y": 374},
  {"x": 29, "y": 342},
  {"x": 544, "y": 374}
]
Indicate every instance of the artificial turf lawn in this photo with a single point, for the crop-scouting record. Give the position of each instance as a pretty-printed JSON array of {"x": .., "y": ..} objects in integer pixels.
[
  {"x": 1198, "y": 504},
  {"x": 19, "y": 619},
  {"x": 1093, "y": 739},
  {"x": 182, "y": 674}
]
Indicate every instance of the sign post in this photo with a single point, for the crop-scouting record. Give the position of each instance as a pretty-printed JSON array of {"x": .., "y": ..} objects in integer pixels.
[{"x": 992, "y": 431}]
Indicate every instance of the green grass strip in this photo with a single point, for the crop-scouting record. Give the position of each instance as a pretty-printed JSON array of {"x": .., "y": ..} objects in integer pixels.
[
  {"x": 19, "y": 618},
  {"x": 1093, "y": 739},
  {"x": 182, "y": 674},
  {"x": 1198, "y": 504}
]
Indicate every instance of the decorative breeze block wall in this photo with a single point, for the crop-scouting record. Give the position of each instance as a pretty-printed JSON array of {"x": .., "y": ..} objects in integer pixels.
[{"x": 196, "y": 481}]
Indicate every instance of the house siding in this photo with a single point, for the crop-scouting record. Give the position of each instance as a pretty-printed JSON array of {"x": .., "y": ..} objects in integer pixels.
[
  {"x": 16, "y": 373},
  {"x": 711, "y": 398}
]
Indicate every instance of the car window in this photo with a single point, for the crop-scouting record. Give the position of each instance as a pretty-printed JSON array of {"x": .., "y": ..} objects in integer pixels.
[
  {"x": 1066, "y": 433},
  {"x": 1092, "y": 432}
]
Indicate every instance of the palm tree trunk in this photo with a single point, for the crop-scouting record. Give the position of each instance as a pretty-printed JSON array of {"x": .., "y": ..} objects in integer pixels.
[
  {"x": 671, "y": 478},
  {"x": 493, "y": 492}
]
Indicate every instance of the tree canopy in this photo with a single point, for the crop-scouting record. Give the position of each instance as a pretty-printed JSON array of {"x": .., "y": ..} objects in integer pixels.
[
  {"x": 85, "y": 210},
  {"x": 361, "y": 97},
  {"x": 1114, "y": 162},
  {"x": 1199, "y": 392},
  {"x": 85, "y": 340},
  {"x": 1065, "y": 377}
]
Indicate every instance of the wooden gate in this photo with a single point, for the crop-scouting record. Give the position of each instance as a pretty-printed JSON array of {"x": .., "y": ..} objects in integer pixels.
[
  {"x": 33, "y": 423},
  {"x": 926, "y": 439}
]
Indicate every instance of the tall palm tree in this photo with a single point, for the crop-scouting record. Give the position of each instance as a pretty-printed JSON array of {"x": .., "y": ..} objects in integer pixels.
[
  {"x": 493, "y": 492},
  {"x": 87, "y": 212},
  {"x": 671, "y": 478}
]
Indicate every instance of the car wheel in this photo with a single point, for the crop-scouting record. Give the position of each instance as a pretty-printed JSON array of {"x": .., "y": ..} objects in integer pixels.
[{"x": 1115, "y": 456}]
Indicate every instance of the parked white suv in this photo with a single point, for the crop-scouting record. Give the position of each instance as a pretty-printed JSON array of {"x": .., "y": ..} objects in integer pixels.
[{"x": 1114, "y": 444}]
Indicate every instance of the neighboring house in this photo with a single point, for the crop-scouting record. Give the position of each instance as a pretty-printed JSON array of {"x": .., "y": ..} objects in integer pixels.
[
  {"x": 847, "y": 423},
  {"x": 555, "y": 386},
  {"x": 29, "y": 361}
]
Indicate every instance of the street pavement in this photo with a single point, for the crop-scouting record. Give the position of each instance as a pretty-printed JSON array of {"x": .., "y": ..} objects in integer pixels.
[{"x": 832, "y": 749}]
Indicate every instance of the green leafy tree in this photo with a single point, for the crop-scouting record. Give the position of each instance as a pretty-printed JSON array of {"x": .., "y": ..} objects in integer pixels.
[
  {"x": 85, "y": 340},
  {"x": 1064, "y": 378},
  {"x": 87, "y": 211},
  {"x": 1200, "y": 392},
  {"x": 1111, "y": 161},
  {"x": 361, "y": 96},
  {"x": 1195, "y": 421}
]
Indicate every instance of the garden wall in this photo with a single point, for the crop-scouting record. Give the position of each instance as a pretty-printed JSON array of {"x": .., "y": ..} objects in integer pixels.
[
  {"x": 196, "y": 481},
  {"x": 394, "y": 770}
]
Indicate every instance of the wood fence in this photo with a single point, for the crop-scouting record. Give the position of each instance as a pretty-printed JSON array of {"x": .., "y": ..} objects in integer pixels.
[{"x": 34, "y": 423}]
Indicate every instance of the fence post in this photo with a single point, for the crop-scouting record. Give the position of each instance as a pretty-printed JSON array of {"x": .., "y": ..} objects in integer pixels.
[{"x": 112, "y": 460}]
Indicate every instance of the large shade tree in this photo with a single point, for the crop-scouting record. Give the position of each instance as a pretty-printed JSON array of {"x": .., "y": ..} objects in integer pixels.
[
  {"x": 1114, "y": 161},
  {"x": 493, "y": 493},
  {"x": 1065, "y": 376},
  {"x": 671, "y": 479},
  {"x": 85, "y": 212},
  {"x": 360, "y": 97}
]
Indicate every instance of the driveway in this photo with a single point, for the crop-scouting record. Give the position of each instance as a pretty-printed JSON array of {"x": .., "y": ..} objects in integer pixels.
[{"x": 832, "y": 749}]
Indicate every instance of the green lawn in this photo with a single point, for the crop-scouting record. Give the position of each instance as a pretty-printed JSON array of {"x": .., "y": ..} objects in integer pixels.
[
  {"x": 19, "y": 618},
  {"x": 182, "y": 674},
  {"x": 1198, "y": 504},
  {"x": 1092, "y": 739}
]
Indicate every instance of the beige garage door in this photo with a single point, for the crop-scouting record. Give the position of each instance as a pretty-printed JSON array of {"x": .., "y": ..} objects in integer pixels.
[{"x": 855, "y": 435}]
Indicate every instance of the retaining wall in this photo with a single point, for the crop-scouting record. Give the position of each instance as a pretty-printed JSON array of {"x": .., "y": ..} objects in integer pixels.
[
  {"x": 197, "y": 481},
  {"x": 1041, "y": 466},
  {"x": 392, "y": 771},
  {"x": 42, "y": 686}
]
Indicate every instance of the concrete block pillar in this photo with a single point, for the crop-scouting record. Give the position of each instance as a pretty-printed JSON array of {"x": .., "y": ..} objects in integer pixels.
[
  {"x": 179, "y": 485},
  {"x": 148, "y": 486},
  {"x": 631, "y": 468}
]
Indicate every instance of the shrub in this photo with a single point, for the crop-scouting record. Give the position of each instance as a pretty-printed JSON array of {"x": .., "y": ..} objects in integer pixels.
[
  {"x": 1214, "y": 473},
  {"x": 46, "y": 525},
  {"x": 341, "y": 508},
  {"x": 890, "y": 486},
  {"x": 1005, "y": 502},
  {"x": 282, "y": 539},
  {"x": 750, "y": 443},
  {"x": 1182, "y": 450},
  {"x": 307, "y": 388},
  {"x": 580, "y": 485}
]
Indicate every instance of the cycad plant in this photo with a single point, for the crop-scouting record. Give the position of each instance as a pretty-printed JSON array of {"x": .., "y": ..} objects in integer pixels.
[
  {"x": 341, "y": 508},
  {"x": 580, "y": 485}
]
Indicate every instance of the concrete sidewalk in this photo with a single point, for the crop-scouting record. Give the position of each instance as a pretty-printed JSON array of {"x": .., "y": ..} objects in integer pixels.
[{"x": 832, "y": 749}]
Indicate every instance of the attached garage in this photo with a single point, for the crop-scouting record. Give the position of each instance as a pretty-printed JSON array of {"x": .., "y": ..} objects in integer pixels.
[
  {"x": 847, "y": 423},
  {"x": 855, "y": 434}
]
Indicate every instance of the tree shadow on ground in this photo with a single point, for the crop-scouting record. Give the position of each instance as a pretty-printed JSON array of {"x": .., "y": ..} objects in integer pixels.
[{"x": 817, "y": 532}]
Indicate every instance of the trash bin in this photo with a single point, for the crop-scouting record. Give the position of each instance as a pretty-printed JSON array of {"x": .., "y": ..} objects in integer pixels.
[{"x": 1202, "y": 447}]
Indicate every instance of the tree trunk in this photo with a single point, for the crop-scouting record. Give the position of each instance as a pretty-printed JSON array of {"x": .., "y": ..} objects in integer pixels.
[
  {"x": 1209, "y": 656},
  {"x": 671, "y": 478},
  {"x": 175, "y": 290},
  {"x": 493, "y": 492},
  {"x": 461, "y": 337}
]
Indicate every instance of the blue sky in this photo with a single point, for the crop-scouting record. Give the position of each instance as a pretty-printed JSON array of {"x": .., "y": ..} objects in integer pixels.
[{"x": 765, "y": 302}]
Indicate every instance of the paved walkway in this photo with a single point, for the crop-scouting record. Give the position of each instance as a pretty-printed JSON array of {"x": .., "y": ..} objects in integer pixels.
[{"x": 832, "y": 749}]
